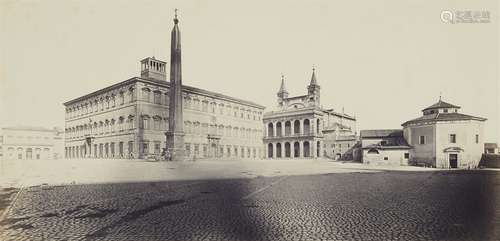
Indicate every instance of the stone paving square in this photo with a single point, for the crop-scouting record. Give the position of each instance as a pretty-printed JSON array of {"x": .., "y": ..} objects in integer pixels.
[{"x": 257, "y": 200}]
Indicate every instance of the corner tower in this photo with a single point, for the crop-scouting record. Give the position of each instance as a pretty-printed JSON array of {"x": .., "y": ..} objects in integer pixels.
[
  {"x": 282, "y": 93},
  {"x": 313, "y": 90},
  {"x": 175, "y": 134}
]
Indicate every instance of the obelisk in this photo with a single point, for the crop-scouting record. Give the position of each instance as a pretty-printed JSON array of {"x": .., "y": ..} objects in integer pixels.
[{"x": 175, "y": 134}]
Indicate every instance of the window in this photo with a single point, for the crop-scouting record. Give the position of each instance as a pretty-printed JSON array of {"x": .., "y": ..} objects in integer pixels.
[
  {"x": 477, "y": 138},
  {"x": 383, "y": 143},
  {"x": 145, "y": 94},
  {"x": 204, "y": 106},
  {"x": 445, "y": 110},
  {"x": 145, "y": 147},
  {"x": 453, "y": 138},
  {"x": 157, "y": 147},
  {"x": 421, "y": 140},
  {"x": 407, "y": 155},
  {"x": 196, "y": 149},
  {"x": 386, "y": 158},
  {"x": 130, "y": 147},
  {"x": 121, "y": 98},
  {"x": 157, "y": 97}
]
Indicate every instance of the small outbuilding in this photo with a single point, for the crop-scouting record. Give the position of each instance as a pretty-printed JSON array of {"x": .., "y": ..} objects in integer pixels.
[{"x": 384, "y": 147}]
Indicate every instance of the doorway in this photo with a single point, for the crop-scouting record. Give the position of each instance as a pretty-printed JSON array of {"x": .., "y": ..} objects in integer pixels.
[{"x": 453, "y": 160}]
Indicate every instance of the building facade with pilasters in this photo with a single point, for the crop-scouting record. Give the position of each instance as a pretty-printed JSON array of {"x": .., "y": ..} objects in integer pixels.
[
  {"x": 296, "y": 128},
  {"x": 130, "y": 119}
]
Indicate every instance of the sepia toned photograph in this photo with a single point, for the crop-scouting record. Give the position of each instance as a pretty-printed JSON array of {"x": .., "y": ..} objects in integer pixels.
[{"x": 249, "y": 120}]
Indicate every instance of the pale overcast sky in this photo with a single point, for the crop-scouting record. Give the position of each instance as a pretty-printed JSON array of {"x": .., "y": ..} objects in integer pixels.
[{"x": 383, "y": 61}]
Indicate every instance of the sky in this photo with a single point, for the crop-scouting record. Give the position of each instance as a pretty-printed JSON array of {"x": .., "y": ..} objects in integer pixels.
[{"x": 382, "y": 61}]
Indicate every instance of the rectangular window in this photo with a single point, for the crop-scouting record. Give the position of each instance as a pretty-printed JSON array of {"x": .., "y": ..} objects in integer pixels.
[
  {"x": 421, "y": 140},
  {"x": 407, "y": 155},
  {"x": 386, "y": 158},
  {"x": 477, "y": 138},
  {"x": 188, "y": 149},
  {"x": 157, "y": 97},
  {"x": 453, "y": 138},
  {"x": 145, "y": 147},
  {"x": 130, "y": 147},
  {"x": 157, "y": 147}
]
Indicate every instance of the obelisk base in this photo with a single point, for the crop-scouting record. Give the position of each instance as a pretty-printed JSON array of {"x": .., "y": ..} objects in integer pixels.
[{"x": 175, "y": 146}]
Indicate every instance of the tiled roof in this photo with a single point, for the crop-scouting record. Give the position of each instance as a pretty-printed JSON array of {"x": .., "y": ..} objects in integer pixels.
[
  {"x": 443, "y": 117},
  {"x": 441, "y": 104},
  {"x": 381, "y": 133}
]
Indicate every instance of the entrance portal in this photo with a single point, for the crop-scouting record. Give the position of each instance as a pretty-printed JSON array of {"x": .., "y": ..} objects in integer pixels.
[{"x": 453, "y": 160}]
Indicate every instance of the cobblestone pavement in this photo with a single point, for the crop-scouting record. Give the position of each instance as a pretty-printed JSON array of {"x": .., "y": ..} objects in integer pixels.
[{"x": 442, "y": 205}]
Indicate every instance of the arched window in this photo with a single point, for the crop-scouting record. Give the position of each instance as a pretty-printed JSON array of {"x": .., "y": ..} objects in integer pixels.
[
  {"x": 296, "y": 127},
  {"x": 270, "y": 150},
  {"x": 288, "y": 128},
  {"x": 270, "y": 129},
  {"x": 278, "y": 129},
  {"x": 317, "y": 126},
  {"x": 307, "y": 126}
]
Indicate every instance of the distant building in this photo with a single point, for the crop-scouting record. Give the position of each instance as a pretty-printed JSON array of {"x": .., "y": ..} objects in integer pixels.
[
  {"x": 31, "y": 143},
  {"x": 384, "y": 147},
  {"x": 490, "y": 148},
  {"x": 300, "y": 127},
  {"x": 444, "y": 138},
  {"x": 339, "y": 142},
  {"x": 130, "y": 119}
]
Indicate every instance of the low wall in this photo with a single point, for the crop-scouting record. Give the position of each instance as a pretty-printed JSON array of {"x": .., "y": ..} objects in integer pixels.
[{"x": 490, "y": 161}]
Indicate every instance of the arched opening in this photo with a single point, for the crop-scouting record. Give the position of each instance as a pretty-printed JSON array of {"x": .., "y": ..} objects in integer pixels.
[
  {"x": 278, "y": 129},
  {"x": 338, "y": 156},
  {"x": 296, "y": 127},
  {"x": 287, "y": 148},
  {"x": 306, "y": 149},
  {"x": 278, "y": 150},
  {"x": 318, "y": 146},
  {"x": 296, "y": 149},
  {"x": 373, "y": 151},
  {"x": 288, "y": 128},
  {"x": 270, "y": 130},
  {"x": 317, "y": 126},
  {"x": 270, "y": 150},
  {"x": 307, "y": 126}
]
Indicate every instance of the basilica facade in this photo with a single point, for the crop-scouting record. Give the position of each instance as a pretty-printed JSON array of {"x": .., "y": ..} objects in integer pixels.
[
  {"x": 301, "y": 128},
  {"x": 130, "y": 119}
]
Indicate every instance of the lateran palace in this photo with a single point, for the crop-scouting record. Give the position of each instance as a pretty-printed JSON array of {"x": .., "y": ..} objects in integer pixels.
[{"x": 130, "y": 119}]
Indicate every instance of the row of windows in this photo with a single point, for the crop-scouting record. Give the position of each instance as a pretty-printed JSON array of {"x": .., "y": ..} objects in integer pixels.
[
  {"x": 100, "y": 104},
  {"x": 101, "y": 150},
  {"x": 276, "y": 129},
  {"x": 222, "y": 109},
  {"x": 204, "y": 150},
  {"x": 158, "y": 97},
  {"x": 102, "y": 127},
  {"x": 452, "y": 139},
  {"x": 205, "y": 128}
]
